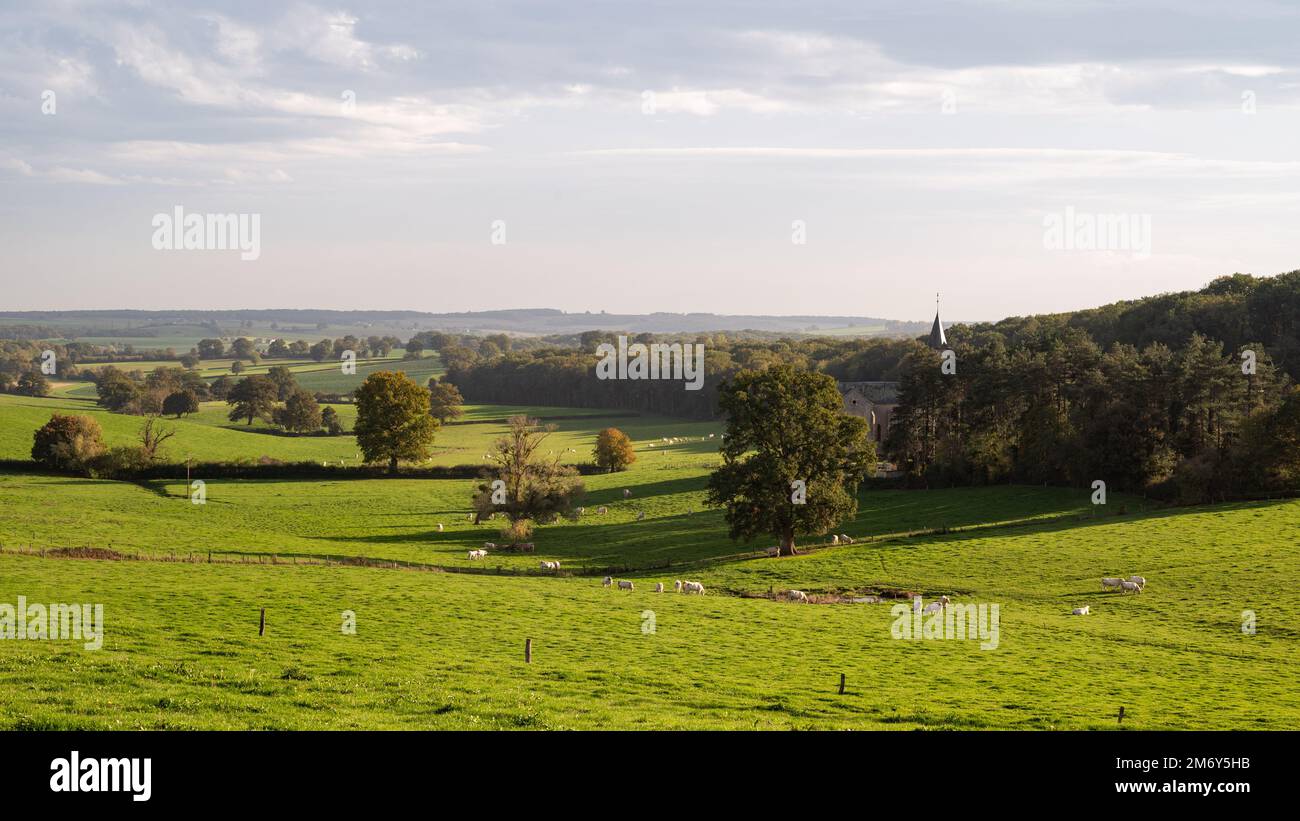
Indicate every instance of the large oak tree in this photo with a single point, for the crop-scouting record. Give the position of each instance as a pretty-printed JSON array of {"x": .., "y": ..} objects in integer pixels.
[
  {"x": 786, "y": 426},
  {"x": 393, "y": 422}
]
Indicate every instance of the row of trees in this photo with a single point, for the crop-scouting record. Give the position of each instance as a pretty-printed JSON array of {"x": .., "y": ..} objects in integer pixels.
[{"x": 242, "y": 348}]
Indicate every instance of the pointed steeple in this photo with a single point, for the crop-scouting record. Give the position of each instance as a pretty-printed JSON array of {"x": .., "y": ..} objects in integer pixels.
[{"x": 937, "y": 339}]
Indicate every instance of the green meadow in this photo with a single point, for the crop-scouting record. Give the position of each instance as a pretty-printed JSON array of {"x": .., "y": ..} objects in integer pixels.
[{"x": 439, "y": 638}]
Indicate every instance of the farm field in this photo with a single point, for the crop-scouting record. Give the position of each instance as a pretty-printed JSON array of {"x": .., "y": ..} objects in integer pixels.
[
  {"x": 209, "y": 435},
  {"x": 444, "y": 650},
  {"x": 439, "y": 643}
]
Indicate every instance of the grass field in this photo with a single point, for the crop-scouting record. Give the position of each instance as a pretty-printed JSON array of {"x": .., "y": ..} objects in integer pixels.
[
  {"x": 209, "y": 435},
  {"x": 441, "y": 646}
]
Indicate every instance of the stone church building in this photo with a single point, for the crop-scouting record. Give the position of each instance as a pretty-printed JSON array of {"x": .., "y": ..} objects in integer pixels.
[{"x": 875, "y": 401}]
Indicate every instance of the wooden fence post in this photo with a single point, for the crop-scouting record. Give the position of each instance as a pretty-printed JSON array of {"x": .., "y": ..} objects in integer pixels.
[
  {"x": 841, "y": 684},
  {"x": 528, "y": 651},
  {"x": 261, "y": 624}
]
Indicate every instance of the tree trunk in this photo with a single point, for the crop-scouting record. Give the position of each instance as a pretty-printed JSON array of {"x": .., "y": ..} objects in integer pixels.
[{"x": 787, "y": 545}]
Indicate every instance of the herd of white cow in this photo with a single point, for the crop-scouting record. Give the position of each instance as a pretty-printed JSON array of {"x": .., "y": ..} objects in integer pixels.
[
  {"x": 1133, "y": 584},
  {"x": 679, "y": 586}
]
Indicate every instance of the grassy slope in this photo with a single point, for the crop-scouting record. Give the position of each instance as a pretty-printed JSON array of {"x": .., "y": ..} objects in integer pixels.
[
  {"x": 443, "y": 650},
  {"x": 209, "y": 435}
]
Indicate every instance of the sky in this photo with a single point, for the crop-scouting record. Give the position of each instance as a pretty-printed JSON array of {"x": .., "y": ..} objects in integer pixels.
[{"x": 743, "y": 158}]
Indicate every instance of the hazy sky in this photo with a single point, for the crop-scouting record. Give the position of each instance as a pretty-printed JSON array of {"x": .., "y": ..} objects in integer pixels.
[{"x": 647, "y": 156}]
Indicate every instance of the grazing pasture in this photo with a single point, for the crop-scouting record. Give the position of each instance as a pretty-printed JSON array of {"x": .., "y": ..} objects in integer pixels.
[
  {"x": 209, "y": 435},
  {"x": 439, "y": 642},
  {"x": 445, "y": 650}
]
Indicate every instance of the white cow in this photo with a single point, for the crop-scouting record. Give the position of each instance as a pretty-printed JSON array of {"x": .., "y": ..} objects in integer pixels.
[
  {"x": 659, "y": 587},
  {"x": 1108, "y": 582},
  {"x": 602, "y": 510},
  {"x": 844, "y": 538},
  {"x": 774, "y": 551},
  {"x": 477, "y": 554},
  {"x": 607, "y": 582},
  {"x": 439, "y": 527},
  {"x": 624, "y": 585},
  {"x": 489, "y": 546},
  {"x": 1080, "y": 611},
  {"x": 693, "y": 587},
  {"x": 1138, "y": 580},
  {"x": 1130, "y": 587},
  {"x": 640, "y": 515},
  {"x": 677, "y": 585},
  {"x": 937, "y": 605},
  {"x": 835, "y": 539},
  {"x": 797, "y": 595},
  {"x": 550, "y": 565},
  {"x": 626, "y": 493}
]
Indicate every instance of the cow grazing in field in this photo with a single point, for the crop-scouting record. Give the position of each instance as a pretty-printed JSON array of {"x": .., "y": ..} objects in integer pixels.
[
  {"x": 602, "y": 510},
  {"x": 797, "y": 595},
  {"x": 489, "y": 546},
  {"x": 845, "y": 539},
  {"x": 1138, "y": 580},
  {"x": 626, "y": 493},
  {"x": 774, "y": 551},
  {"x": 625, "y": 585},
  {"x": 659, "y": 587},
  {"x": 640, "y": 515},
  {"x": 1080, "y": 611},
  {"x": 677, "y": 585},
  {"x": 1127, "y": 586},
  {"x": 1108, "y": 582},
  {"x": 835, "y": 539},
  {"x": 693, "y": 587},
  {"x": 550, "y": 565},
  {"x": 477, "y": 554},
  {"x": 935, "y": 606},
  {"x": 607, "y": 582},
  {"x": 581, "y": 510},
  {"x": 439, "y": 527}
]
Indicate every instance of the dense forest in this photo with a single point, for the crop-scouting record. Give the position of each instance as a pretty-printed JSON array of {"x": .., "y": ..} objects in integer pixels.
[{"x": 1187, "y": 395}]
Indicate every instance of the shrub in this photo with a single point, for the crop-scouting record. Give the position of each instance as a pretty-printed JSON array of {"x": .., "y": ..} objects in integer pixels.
[
  {"x": 68, "y": 442},
  {"x": 123, "y": 461},
  {"x": 517, "y": 531}
]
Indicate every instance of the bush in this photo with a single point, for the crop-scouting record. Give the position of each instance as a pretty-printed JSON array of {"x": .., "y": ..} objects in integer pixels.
[
  {"x": 124, "y": 461},
  {"x": 68, "y": 442},
  {"x": 517, "y": 531}
]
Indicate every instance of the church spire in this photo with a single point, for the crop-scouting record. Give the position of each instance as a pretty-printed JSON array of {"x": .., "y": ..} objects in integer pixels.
[{"x": 937, "y": 339}]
